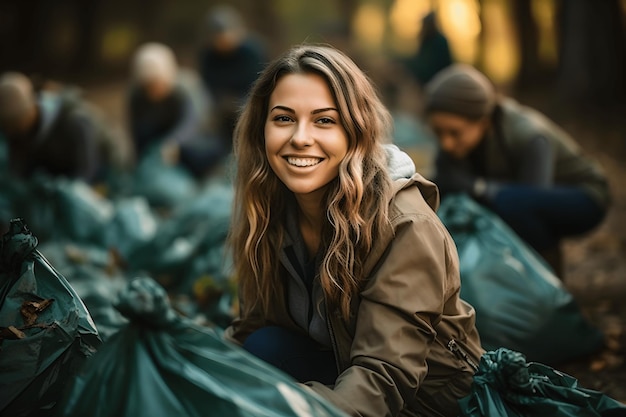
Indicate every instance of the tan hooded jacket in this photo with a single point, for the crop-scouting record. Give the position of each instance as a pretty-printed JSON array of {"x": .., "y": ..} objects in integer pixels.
[{"x": 393, "y": 356}]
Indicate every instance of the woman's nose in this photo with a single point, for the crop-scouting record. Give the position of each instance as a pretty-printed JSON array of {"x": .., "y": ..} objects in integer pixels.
[
  {"x": 447, "y": 143},
  {"x": 301, "y": 136}
]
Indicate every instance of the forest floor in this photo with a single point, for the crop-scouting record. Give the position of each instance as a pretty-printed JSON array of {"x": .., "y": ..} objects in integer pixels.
[{"x": 594, "y": 264}]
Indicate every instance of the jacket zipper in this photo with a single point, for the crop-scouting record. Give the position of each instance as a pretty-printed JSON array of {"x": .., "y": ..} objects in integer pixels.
[
  {"x": 454, "y": 347},
  {"x": 333, "y": 340}
]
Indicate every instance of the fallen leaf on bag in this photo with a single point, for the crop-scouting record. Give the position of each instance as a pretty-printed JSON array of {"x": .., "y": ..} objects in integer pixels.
[
  {"x": 30, "y": 310},
  {"x": 11, "y": 332}
]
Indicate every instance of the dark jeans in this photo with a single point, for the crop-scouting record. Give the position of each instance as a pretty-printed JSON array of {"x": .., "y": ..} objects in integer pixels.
[
  {"x": 543, "y": 216},
  {"x": 293, "y": 353}
]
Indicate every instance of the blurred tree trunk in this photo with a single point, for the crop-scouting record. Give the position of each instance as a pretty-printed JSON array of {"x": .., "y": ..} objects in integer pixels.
[
  {"x": 591, "y": 51},
  {"x": 85, "y": 55},
  {"x": 24, "y": 29},
  {"x": 263, "y": 19},
  {"x": 480, "y": 53},
  {"x": 528, "y": 41}
]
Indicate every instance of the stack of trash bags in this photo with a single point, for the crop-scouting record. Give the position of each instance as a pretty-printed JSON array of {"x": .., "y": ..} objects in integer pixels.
[
  {"x": 181, "y": 245},
  {"x": 520, "y": 304},
  {"x": 157, "y": 363}
]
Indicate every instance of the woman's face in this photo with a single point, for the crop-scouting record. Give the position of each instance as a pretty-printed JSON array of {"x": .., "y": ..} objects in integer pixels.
[
  {"x": 457, "y": 135},
  {"x": 304, "y": 139}
]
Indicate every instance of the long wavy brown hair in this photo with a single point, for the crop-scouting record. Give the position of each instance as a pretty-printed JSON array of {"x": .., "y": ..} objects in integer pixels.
[{"x": 356, "y": 201}]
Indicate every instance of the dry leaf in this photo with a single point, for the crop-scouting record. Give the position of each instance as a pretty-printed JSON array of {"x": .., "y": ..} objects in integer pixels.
[
  {"x": 30, "y": 310},
  {"x": 11, "y": 332}
]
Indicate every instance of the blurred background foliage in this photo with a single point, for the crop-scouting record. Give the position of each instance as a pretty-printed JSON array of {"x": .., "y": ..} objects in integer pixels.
[{"x": 575, "y": 48}]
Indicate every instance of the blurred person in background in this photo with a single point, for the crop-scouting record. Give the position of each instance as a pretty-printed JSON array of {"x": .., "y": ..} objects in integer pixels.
[
  {"x": 168, "y": 109},
  {"x": 51, "y": 131},
  {"x": 514, "y": 160},
  {"x": 433, "y": 53},
  {"x": 229, "y": 60}
]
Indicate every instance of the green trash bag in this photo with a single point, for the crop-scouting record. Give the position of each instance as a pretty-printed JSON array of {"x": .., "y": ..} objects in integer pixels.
[
  {"x": 505, "y": 385},
  {"x": 62, "y": 208},
  {"x": 187, "y": 254},
  {"x": 163, "y": 364},
  {"x": 133, "y": 225},
  {"x": 46, "y": 333},
  {"x": 163, "y": 185},
  {"x": 83, "y": 214},
  {"x": 520, "y": 304},
  {"x": 95, "y": 276}
]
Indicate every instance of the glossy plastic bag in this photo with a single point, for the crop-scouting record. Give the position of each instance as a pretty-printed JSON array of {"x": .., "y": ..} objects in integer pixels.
[
  {"x": 162, "y": 364},
  {"x": 505, "y": 385},
  {"x": 95, "y": 276},
  {"x": 45, "y": 330},
  {"x": 187, "y": 254},
  {"x": 163, "y": 185},
  {"x": 520, "y": 304}
]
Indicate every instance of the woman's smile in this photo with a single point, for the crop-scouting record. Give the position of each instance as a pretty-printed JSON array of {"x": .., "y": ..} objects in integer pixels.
[
  {"x": 305, "y": 141},
  {"x": 303, "y": 161}
]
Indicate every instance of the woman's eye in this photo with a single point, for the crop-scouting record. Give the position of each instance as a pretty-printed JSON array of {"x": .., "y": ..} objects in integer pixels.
[
  {"x": 282, "y": 118},
  {"x": 325, "y": 120}
]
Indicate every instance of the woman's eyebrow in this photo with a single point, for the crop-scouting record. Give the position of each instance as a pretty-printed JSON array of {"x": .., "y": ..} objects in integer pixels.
[
  {"x": 283, "y": 108},
  {"x": 316, "y": 111}
]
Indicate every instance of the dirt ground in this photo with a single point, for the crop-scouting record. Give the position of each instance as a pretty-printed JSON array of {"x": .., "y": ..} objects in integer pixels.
[{"x": 594, "y": 265}]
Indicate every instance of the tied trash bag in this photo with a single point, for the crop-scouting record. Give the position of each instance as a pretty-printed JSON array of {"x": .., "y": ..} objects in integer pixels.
[
  {"x": 520, "y": 304},
  {"x": 46, "y": 332},
  {"x": 163, "y": 364},
  {"x": 505, "y": 385}
]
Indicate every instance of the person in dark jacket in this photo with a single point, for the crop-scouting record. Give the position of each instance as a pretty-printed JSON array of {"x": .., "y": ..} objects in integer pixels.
[
  {"x": 230, "y": 59},
  {"x": 514, "y": 160},
  {"x": 51, "y": 131},
  {"x": 433, "y": 53},
  {"x": 168, "y": 109}
]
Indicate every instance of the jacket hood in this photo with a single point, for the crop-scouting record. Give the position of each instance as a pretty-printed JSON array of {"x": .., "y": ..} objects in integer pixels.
[
  {"x": 427, "y": 188},
  {"x": 399, "y": 163},
  {"x": 402, "y": 172}
]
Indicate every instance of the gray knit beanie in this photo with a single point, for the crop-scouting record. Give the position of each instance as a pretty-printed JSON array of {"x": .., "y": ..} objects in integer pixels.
[{"x": 460, "y": 89}]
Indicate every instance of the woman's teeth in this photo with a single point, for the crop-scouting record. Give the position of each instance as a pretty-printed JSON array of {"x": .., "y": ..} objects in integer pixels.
[{"x": 303, "y": 162}]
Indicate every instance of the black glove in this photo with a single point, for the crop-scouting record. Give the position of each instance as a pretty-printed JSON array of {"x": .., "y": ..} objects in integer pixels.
[{"x": 454, "y": 179}]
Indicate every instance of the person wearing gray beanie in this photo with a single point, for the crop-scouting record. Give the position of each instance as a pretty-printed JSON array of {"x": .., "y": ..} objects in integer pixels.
[
  {"x": 460, "y": 89},
  {"x": 514, "y": 160}
]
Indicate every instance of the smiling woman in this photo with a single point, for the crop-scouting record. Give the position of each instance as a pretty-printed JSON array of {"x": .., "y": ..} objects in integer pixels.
[
  {"x": 304, "y": 141},
  {"x": 348, "y": 280}
]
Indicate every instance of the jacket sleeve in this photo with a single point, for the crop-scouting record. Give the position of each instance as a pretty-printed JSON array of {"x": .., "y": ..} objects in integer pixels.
[
  {"x": 536, "y": 165},
  {"x": 400, "y": 306}
]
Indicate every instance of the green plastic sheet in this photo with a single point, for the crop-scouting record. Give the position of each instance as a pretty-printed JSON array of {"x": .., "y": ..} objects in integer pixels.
[
  {"x": 187, "y": 253},
  {"x": 94, "y": 275},
  {"x": 162, "y": 184},
  {"x": 520, "y": 304},
  {"x": 505, "y": 385},
  {"x": 46, "y": 331},
  {"x": 163, "y": 364}
]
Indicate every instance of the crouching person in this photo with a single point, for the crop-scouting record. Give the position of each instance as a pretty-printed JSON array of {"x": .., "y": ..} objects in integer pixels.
[{"x": 348, "y": 280}]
